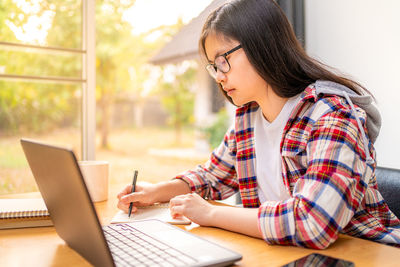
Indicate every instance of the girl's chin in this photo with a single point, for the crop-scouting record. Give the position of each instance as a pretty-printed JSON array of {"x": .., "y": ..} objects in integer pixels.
[{"x": 239, "y": 102}]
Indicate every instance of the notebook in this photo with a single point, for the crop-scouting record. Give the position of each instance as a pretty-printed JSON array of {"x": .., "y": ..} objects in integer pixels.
[
  {"x": 140, "y": 243},
  {"x": 158, "y": 211},
  {"x": 20, "y": 213}
]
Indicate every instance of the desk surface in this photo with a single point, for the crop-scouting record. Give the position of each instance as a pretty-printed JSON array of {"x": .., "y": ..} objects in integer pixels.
[{"x": 43, "y": 247}]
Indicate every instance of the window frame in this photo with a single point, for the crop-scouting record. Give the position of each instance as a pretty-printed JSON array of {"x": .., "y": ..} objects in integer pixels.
[{"x": 87, "y": 79}]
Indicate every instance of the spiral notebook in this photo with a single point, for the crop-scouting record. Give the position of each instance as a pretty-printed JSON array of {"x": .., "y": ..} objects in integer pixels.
[{"x": 20, "y": 213}]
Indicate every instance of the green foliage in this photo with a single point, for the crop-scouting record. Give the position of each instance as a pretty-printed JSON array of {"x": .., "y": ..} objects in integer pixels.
[
  {"x": 10, "y": 156},
  {"x": 7, "y": 9},
  {"x": 178, "y": 100},
  {"x": 216, "y": 131},
  {"x": 121, "y": 66},
  {"x": 66, "y": 28},
  {"x": 36, "y": 107}
]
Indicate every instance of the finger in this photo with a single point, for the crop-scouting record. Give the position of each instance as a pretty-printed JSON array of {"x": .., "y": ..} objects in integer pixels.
[
  {"x": 121, "y": 203},
  {"x": 125, "y": 191},
  {"x": 177, "y": 211},
  {"x": 178, "y": 200},
  {"x": 128, "y": 190},
  {"x": 134, "y": 209},
  {"x": 125, "y": 207},
  {"x": 132, "y": 197}
]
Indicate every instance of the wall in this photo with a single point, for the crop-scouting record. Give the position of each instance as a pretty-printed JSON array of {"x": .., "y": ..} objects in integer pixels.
[
  {"x": 202, "y": 107},
  {"x": 362, "y": 39},
  {"x": 127, "y": 112}
]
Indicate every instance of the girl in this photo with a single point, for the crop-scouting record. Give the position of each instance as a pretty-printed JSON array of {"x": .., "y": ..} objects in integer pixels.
[{"x": 300, "y": 151}]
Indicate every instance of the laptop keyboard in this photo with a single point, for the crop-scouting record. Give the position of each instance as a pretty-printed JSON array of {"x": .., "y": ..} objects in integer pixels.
[{"x": 131, "y": 247}]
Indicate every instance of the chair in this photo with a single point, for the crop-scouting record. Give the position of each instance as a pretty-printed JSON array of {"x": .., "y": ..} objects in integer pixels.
[{"x": 389, "y": 186}]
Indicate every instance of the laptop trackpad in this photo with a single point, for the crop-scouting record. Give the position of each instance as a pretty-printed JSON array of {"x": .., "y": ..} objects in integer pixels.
[{"x": 186, "y": 242}]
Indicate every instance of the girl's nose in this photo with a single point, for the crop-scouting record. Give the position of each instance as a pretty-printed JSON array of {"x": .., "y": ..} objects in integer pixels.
[{"x": 220, "y": 77}]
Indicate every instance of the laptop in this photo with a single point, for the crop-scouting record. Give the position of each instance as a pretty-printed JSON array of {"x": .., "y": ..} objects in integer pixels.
[{"x": 141, "y": 243}]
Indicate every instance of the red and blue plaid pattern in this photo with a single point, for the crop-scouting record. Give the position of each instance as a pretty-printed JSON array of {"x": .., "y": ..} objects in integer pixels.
[{"x": 324, "y": 168}]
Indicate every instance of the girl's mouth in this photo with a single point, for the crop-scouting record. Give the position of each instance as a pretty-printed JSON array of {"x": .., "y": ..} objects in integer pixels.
[{"x": 229, "y": 91}]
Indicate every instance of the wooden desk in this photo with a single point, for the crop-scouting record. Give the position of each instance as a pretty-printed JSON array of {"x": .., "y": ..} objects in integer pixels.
[{"x": 43, "y": 247}]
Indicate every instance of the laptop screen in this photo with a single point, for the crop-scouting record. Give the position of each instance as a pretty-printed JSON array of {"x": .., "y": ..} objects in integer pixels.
[{"x": 63, "y": 189}]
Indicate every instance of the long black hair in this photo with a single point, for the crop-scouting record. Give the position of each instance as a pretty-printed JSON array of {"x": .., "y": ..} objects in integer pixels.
[{"x": 271, "y": 46}]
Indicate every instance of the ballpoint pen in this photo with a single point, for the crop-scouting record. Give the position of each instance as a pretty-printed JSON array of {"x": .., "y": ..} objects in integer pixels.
[{"x": 133, "y": 190}]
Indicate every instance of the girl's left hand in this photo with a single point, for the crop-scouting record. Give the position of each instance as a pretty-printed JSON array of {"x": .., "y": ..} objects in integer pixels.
[{"x": 192, "y": 206}]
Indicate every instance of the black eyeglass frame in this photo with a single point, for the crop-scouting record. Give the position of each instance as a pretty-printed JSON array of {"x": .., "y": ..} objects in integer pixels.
[{"x": 212, "y": 67}]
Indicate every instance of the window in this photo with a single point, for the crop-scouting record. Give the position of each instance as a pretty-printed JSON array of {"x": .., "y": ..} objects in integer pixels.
[
  {"x": 51, "y": 95},
  {"x": 46, "y": 82}
]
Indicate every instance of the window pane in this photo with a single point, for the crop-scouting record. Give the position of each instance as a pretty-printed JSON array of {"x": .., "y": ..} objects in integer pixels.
[
  {"x": 40, "y": 111},
  {"x": 48, "y": 23},
  {"x": 40, "y": 64},
  {"x": 43, "y": 111}
]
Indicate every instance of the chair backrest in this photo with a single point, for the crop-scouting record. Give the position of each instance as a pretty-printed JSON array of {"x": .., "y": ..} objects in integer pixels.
[{"x": 389, "y": 186}]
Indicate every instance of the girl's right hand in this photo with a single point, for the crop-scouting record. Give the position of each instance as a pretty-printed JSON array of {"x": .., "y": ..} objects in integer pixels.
[{"x": 144, "y": 195}]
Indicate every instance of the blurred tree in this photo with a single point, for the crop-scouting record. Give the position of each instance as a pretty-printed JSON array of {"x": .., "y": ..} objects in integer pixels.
[
  {"x": 8, "y": 9},
  {"x": 113, "y": 56},
  {"x": 178, "y": 98},
  {"x": 121, "y": 66},
  {"x": 216, "y": 131},
  {"x": 122, "y": 57},
  {"x": 26, "y": 106}
]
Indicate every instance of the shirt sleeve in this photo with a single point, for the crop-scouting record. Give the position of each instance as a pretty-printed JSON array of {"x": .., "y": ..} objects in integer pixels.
[
  {"x": 326, "y": 197},
  {"x": 217, "y": 178}
]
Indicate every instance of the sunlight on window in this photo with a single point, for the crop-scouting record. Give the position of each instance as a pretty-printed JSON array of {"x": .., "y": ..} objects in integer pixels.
[
  {"x": 35, "y": 29},
  {"x": 143, "y": 16},
  {"x": 144, "y": 111}
]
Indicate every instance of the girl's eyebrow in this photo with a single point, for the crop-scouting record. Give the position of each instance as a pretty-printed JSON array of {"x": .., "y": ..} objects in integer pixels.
[
  {"x": 218, "y": 53},
  {"x": 222, "y": 51}
]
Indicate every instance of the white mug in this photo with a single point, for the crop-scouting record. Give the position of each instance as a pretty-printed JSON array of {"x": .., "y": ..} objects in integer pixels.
[{"x": 95, "y": 174}]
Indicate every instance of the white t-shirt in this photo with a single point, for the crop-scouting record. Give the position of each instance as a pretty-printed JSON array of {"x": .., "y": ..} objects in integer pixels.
[{"x": 268, "y": 156}]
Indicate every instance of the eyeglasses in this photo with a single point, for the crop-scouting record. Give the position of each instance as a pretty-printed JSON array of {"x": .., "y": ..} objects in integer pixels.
[{"x": 221, "y": 63}]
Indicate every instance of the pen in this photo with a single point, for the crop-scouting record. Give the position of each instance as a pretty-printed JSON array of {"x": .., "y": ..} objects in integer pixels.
[{"x": 133, "y": 190}]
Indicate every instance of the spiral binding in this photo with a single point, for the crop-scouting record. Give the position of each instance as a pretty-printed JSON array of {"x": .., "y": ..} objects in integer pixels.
[{"x": 24, "y": 214}]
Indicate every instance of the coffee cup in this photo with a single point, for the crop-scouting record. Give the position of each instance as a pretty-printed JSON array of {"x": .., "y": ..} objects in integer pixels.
[{"x": 95, "y": 174}]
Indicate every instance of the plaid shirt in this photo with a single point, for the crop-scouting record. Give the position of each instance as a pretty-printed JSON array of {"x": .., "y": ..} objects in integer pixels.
[{"x": 324, "y": 169}]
